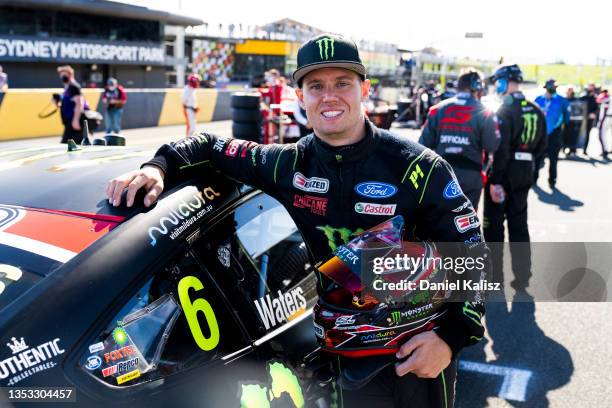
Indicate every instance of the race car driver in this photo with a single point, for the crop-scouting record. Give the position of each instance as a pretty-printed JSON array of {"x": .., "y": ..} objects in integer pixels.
[
  {"x": 459, "y": 129},
  {"x": 346, "y": 177},
  {"x": 523, "y": 129}
]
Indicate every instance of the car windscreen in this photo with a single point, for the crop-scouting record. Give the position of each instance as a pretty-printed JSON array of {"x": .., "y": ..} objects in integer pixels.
[{"x": 21, "y": 270}]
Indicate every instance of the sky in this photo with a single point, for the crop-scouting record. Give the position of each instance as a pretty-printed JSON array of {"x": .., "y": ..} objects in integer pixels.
[{"x": 524, "y": 31}]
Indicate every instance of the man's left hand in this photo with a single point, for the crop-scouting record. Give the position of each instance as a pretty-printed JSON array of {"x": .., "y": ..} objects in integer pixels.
[{"x": 427, "y": 356}]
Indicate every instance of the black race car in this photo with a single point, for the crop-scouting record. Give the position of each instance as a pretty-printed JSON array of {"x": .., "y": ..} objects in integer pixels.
[{"x": 203, "y": 300}]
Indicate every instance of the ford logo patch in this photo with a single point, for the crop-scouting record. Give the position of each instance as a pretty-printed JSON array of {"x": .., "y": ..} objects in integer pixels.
[
  {"x": 452, "y": 190},
  {"x": 374, "y": 189}
]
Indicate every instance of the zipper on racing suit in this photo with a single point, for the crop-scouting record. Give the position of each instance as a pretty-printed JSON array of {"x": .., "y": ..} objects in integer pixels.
[{"x": 344, "y": 192}]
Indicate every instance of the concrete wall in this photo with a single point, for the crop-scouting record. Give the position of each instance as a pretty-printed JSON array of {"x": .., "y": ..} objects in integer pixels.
[{"x": 20, "y": 109}]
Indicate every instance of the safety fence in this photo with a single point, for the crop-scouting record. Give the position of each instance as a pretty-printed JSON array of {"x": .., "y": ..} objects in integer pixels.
[{"x": 26, "y": 113}]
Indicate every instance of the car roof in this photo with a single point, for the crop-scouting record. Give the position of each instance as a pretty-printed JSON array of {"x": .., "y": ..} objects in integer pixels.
[{"x": 51, "y": 177}]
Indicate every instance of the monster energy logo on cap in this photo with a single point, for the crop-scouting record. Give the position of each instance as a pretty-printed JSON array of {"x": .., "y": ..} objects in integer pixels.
[
  {"x": 328, "y": 51},
  {"x": 325, "y": 44}
]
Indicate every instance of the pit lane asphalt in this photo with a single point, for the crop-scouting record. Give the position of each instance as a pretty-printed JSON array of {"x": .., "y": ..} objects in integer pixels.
[{"x": 547, "y": 354}]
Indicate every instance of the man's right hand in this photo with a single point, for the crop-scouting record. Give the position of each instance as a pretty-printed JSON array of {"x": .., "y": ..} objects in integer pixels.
[{"x": 149, "y": 177}]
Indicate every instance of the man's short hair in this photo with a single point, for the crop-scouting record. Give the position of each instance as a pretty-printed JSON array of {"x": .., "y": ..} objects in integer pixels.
[
  {"x": 65, "y": 68},
  {"x": 470, "y": 79}
]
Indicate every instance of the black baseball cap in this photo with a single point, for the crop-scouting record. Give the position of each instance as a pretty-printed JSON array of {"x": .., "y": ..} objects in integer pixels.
[
  {"x": 328, "y": 51},
  {"x": 551, "y": 83},
  {"x": 510, "y": 72}
]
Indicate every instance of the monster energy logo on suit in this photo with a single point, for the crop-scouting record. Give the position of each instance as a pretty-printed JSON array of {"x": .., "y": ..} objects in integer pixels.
[
  {"x": 530, "y": 125},
  {"x": 396, "y": 317},
  {"x": 325, "y": 44}
]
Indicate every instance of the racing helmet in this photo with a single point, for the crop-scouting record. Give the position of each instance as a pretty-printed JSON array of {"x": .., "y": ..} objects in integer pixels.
[
  {"x": 374, "y": 306},
  {"x": 508, "y": 72},
  {"x": 193, "y": 80}
]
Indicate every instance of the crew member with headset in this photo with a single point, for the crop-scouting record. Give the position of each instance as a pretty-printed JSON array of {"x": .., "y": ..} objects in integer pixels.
[
  {"x": 459, "y": 129},
  {"x": 523, "y": 134}
]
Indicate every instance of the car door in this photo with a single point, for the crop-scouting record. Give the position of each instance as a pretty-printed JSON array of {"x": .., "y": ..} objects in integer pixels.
[{"x": 259, "y": 260}]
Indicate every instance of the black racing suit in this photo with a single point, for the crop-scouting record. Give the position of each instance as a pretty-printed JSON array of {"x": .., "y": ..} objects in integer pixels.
[
  {"x": 321, "y": 186},
  {"x": 459, "y": 129},
  {"x": 592, "y": 110},
  {"x": 523, "y": 129}
]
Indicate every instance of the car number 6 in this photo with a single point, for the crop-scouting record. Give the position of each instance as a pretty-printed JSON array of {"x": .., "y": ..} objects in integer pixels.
[{"x": 191, "y": 313}]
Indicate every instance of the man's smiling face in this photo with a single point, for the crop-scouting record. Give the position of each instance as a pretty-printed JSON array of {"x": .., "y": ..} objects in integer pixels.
[{"x": 332, "y": 99}]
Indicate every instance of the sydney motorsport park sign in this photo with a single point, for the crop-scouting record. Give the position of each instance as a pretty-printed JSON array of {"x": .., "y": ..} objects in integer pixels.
[{"x": 21, "y": 48}]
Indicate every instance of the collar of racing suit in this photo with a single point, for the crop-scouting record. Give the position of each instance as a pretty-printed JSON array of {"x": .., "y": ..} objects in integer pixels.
[{"x": 349, "y": 153}]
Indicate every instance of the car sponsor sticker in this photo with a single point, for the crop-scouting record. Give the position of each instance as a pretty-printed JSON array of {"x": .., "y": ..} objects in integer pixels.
[
  {"x": 311, "y": 185},
  {"x": 120, "y": 367},
  {"x": 120, "y": 336},
  {"x": 26, "y": 361},
  {"x": 316, "y": 205},
  {"x": 94, "y": 348},
  {"x": 184, "y": 215},
  {"x": 452, "y": 190},
  {"x": 223, "y": 254},
  {"x": 375, "y": 209},
  {"x": 467, "y": 222},
  {"x": 120, "y": 354},
  {"x": 93, "y": 363},
  {"x": 128, "y": 377},
  {"x": 274, "y": 310},
  {"x": 375, "y": 189},
  {"x": 281, "y": 389}
]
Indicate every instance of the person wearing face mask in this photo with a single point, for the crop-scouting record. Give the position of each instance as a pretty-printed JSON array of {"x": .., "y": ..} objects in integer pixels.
[
  {"x": 523, "y": 140},
  {"x": 555, "y": 109},
  {"x": 72, "y": 105},
  {"x": 590, "y": 98},
  {"x": 577, "y": 115},
  {"x": 114, "y": 97}
]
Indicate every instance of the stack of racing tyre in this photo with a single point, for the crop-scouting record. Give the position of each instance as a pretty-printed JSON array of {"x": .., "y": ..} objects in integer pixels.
[{"x": 246, "y": 116}]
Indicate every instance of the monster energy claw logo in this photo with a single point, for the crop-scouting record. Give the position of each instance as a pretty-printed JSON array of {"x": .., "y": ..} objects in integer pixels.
[
  {"x": 530, "y": 124},
  {"x": 326, "y": 48},
  {"x": 338, "y": 236},
  {"x": 395, "y": 317}
]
